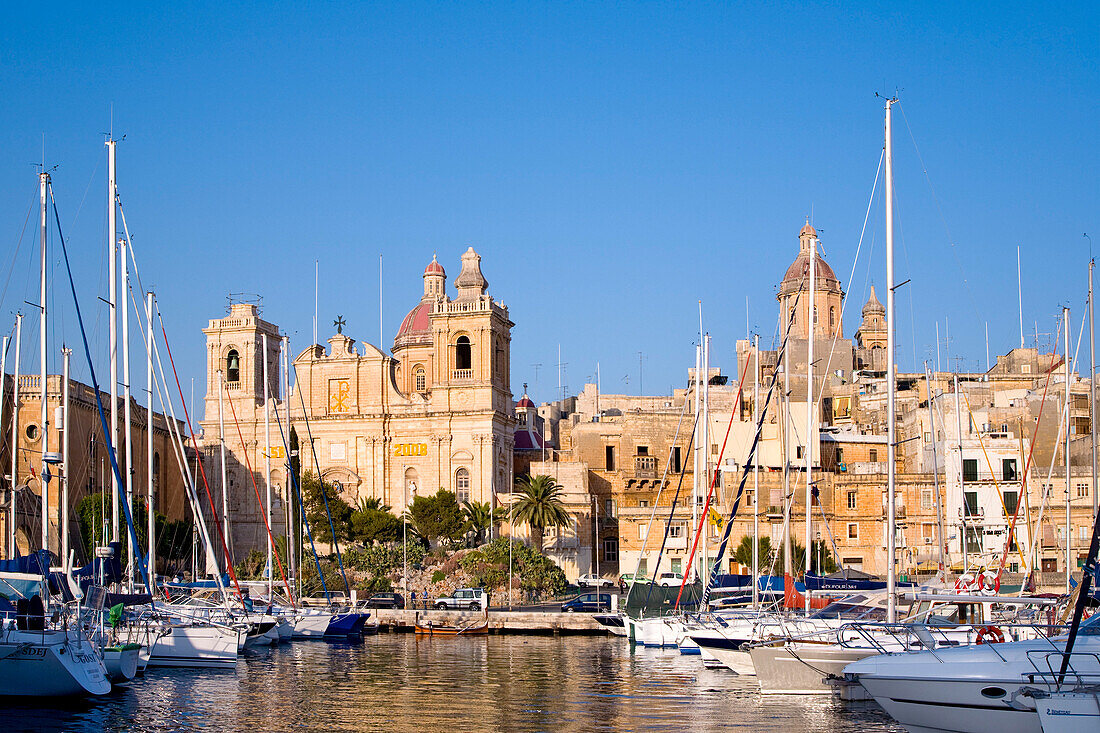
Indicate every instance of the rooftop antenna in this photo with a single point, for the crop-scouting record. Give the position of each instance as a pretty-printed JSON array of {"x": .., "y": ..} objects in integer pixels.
[{"x": 536, "y": 368}]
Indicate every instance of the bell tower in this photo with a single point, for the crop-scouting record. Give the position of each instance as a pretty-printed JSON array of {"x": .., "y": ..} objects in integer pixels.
[{"x": 234, "y": 346}]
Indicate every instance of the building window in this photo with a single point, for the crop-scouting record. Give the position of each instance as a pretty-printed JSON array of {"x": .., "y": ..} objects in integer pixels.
[
  {"x": 832, "y": 316},
  {"x": 463, "y": 353},
  {"x": 815, "y": 315},
  {"x": 1082, "y": 491},
  {"x": 851, "y": 500},
  {"x": 609, "y": 458},
  {"x": 675, "y": 531},
  {"x": 232, "y": 366},
  {"x": 642, "y": 531},
  {"x": 32, "y": 432},
  {"x": 420, "y": 379},
  {"x": 609, "y": 507},
  {"x": 1011, "y": 502},
  {"x": 970, "y": 499},
  {"x": 677, "y": 565},
  {"x": 853, "y": 531},
  {"x": 462, "y": 485},
  {"x": 1008, "y": 468},
  {"x": 611, "y": 550},
  {"x": 926, "y": 531},
  {"x": 926, "y": 499},
  {"x": 643, "y": 568},
  {"x": 970, "y": 469},
  {"x": 676, "y": 459},
  {"x": 798, "y": 452},
  {"x": 643, "y": 450},
  {"x": 643, "y": 503},
  {"x": 873, "y": 455}
]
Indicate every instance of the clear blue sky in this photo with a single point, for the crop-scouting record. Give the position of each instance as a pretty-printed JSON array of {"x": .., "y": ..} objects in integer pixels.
[{"x": 612, "y": 163}]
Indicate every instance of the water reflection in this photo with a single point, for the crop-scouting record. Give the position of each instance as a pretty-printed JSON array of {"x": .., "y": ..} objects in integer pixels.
[{"x": 494, "y": 683}]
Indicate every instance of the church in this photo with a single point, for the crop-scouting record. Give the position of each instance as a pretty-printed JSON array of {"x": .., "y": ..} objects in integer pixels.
[{"x": 436, "y": 412}]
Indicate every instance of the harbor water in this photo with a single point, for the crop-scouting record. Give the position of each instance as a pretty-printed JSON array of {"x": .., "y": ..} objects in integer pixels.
[{"x": 495, "y": 683}]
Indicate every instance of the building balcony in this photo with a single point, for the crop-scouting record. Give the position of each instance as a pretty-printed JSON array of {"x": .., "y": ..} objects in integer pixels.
[
  {"x": 462, "y": 375},
  {"x": 645, "y": 467}
]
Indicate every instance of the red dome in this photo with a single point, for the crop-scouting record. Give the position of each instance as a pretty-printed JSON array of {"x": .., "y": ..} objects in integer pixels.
[
  {"x": 801, "y": 266},
  {"x": 418, "y": 321},
  {"x": 524, "y": 402},
  {"x": 434, "y": 268}
]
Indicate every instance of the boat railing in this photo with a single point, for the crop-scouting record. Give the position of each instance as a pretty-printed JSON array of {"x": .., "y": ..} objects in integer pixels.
[{"x": 1083, "y": 668}]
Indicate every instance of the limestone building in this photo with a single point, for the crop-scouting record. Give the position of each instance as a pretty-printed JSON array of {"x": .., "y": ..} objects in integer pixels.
[{"x": 437, "y": 413}]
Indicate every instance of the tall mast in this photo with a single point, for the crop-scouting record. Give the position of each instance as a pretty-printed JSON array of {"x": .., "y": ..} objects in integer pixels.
[
  {"x": 3, "y": 387},
  {"x": 112, "y": 307},
  {"x": 1092, "y": 391},
  {"x": 267, "y": 470},
  {"x": 785, "y": 415},
  {"x": 1020, "y": 293},
  {"x": 1069, "y": 525},
  {"x": 63, "y": 506},
  {"x": 43, "y": 182},
  {"x": 151, "y": 531},
  {"x": 706, "y": 452},
  {"x": 756, "y": 480},
  {"x": 808, "y": 450},
  {"x": 225, "y": 479},
  {"x": 891, "y": 377},
  {"x": 697, "y": 464},
  {"x": 936, "y": 476},
  {"x": 127, "y": 416},
  {"x": 287, "y": 502},
  {"x": 962, "y": 477},
  {"x": 12, "y": 519}
]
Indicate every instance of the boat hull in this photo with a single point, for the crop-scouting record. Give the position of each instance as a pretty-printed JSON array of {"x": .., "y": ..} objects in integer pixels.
[
  {"x": 197, "y": 646},
  {"x": 121, "y": 662},
  {"x": 802, "y": 670},
  {"x": 47, "y": 664},
  {"x": 346, "y": 624},
  {"x": 311, "y": 625},
  {"x": 728, "y": 653}
]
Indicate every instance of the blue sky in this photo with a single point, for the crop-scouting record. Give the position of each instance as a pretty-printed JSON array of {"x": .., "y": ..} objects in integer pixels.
[{"x": 613, "y": 164}]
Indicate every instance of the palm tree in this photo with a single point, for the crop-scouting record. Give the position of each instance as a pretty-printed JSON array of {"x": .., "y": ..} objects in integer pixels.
[
  {"x": 540, "y": 506},
  {"x": 482, "y": 517}
]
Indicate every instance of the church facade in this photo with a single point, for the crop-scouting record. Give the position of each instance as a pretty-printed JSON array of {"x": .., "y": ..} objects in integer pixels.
[{"x": 436, "y": 412}]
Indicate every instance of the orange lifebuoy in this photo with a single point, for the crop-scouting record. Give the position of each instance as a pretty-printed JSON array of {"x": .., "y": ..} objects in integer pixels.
[
  {"x": 990, "y": 635},
  {"x": 990, "y": 582}
]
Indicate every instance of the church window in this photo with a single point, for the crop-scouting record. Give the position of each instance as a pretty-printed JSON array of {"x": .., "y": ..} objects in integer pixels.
[
  {"x": 815, "y": 314},
  {"x": 832, "y": 316},
  {"x": 463, "y": 353},
  {"x": 420, "y": 379},
  {"x": 462, "y": 485},
  {"x": 792, "y": 316},
  {"x": 233, "y": 366}
]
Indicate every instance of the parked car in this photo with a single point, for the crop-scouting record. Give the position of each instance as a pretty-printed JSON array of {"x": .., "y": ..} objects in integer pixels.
[
  {"x": 670, "y": 578},
  {"x": 588, "y": 602},
  {"x": 591, "y": 580},
  {"x": 463, "y": 599},
  {"x": 627, "y": 579},
  {"x": 385, "y": 600}
]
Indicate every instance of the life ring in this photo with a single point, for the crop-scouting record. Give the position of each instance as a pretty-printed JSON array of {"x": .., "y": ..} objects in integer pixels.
[
  {"x": 990, "y": 635},
  {"x": 990, "y": 583},
  {"x": 963, "y": 583}
]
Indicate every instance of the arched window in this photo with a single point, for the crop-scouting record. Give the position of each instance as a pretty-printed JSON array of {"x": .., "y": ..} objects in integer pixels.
[
  {"x": 420, "y": 379},
  {"x": 462, "y": 485},
  {"x": 232, "y": 366},
  {"x": 156, "y": 479},
  {"x": 832, "y": 316},
  {"x": 792, "y": 316},
  {"x": 815, "y": 315},
  {"x": 463, "y": 359}
]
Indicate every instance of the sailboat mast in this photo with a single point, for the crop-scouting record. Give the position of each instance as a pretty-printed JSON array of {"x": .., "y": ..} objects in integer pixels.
[
  {"x": 706, "y": 453},
  {"x": 756, "y": 480},
  {"x": 3, "y": 388},
  {"x": 697, "y": 466},
  {"x": 127, "y": 416},
  {"x": 1092, "y": 392},
  {"x": 891, "y": 377},
  {"x": 289, "y": 531},
  {"x": 267, "y": 468},
  {"x": 43, "y": 181},
  {"x": 112, "y": 307},
  {"x": 785, "y": 416},
  {"x": 63, "y": 506},
  {"x": 808, "y": 450},
  {"x": 962, "y": 478},
  {"x": 225, "y": 479},
  {"x": 151, "y": 532},
  {"x": 936, "y": 476},
  {"x": 14, "y": 437},
  {"x": 1069, "y": 525}
]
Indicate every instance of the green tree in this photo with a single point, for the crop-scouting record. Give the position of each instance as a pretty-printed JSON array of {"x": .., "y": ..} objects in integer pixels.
[
  {"x": 743, "y": 553},
  {"x": 438, "y": 517},
  {"x": 373, "y": 522},
  {"x": 174, "y": 537},
  {"x": 482, "y": 517},
  {"x": 540, "y": 506},
  {"x": 314, "y": 493}
]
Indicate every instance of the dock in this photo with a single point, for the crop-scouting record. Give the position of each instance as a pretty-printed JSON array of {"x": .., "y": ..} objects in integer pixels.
[{"x": 551, "y": 623}]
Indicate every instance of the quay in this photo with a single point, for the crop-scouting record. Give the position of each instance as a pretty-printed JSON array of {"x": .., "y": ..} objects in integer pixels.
[{"x": 547, "y": 623}]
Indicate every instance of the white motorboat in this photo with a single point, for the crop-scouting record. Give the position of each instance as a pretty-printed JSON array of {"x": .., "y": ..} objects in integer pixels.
[
  {"x": 311, "y": 623},
  {"x": 196, "y": 644},
  {"x": 976, "y": 688},
  {"x": 613, "y": 622},
  {"x": 1076, "y": 710},
  {"x": 121, "y": 661}
]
